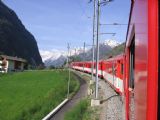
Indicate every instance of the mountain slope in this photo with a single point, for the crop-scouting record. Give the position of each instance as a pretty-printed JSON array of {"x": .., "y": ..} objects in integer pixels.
[
  {"x": 57, "y": 58},
  {"x": 111, "y": 43},
  {"x": 15, "y": 40},
  {"x": 57, "y": 62},
  {"x": 107, "y": 49},
  {"x": 115, "y": 51},
  {"x": 103, "y": 48},
  {"x": 53, "y": 58}
]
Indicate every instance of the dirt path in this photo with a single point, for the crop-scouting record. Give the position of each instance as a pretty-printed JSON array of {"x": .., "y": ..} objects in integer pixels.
[{"x": 79, "y": 95}]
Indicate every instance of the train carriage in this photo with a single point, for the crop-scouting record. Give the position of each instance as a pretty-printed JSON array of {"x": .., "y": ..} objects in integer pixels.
[
  {"x": 113, "y": 72},
  {"x": 136, "y": 74},
  {"x": 86, "y": 66},
  {"x": 141, "y": 73}
]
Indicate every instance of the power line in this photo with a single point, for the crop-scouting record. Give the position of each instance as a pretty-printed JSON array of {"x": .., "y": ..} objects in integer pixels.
[{"x": 82, "y": 9}]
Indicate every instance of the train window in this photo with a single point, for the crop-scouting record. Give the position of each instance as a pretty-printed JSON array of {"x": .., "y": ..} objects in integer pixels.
[
  {"x": 122, "y": 68},
  {"x": 132, "y": 63}
]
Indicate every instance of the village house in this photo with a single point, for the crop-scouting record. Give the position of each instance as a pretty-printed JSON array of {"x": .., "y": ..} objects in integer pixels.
[{"x": 8, "y": 63}]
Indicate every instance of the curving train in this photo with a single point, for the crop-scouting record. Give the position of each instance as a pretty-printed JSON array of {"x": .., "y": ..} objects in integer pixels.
[
  {"x": 136, "y": 73},
  {"x": 110, "y": 70}
]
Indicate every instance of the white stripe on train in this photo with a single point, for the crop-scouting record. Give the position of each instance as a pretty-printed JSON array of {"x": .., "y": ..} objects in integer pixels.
[{"x": 113, "y": 80}]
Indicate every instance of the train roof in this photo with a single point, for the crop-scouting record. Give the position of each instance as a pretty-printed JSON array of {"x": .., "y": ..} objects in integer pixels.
[{"x": 118, "y": 57}]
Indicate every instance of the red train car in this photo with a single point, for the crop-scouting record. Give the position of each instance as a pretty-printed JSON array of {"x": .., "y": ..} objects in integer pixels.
[
  {"x": 138, "y": 71},
  {"x": 77, "y": 65},
  {"x": 142, "y": 92},
  {"x": 113, "y": 72},
  {"x": 86, "y": 66}
]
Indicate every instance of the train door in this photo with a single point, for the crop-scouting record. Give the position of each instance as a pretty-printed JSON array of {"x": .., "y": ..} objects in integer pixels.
[
  {"x": 131, "y": 78},
  {"x": 117, "y": 73},
  {"x": 120, "y": 71},
  {"x": 114, "y": 73},
  {"x": 102, "y": 68}
]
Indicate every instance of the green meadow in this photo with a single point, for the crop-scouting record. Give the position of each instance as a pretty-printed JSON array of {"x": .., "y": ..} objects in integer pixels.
[
  {"x": 79, "y": 112},
  {"x": 32, "y": 95}
]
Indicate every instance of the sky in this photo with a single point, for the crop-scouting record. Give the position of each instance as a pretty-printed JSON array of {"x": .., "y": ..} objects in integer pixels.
[{"x": 54, "y": 23}]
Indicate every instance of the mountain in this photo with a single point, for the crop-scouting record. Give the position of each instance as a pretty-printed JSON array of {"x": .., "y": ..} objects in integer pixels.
[
  {"x": 54, "y": 58},
  {"x": 115, "y": 51},
  {"x": 52, "y": 55},
  {"x": 57, "y": 62},
  {"x": 111, "y": 43},
  {"x": 104, "y": 48},
  {"x": 57, "y": 58},
  {"x": 15, "y": 39}
]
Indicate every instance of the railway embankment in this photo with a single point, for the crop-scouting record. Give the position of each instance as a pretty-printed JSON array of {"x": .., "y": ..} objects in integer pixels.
[{"x": 112, "y": 105}]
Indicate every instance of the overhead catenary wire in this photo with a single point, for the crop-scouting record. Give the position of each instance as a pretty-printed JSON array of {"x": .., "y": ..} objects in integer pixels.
[
  {"x": 82, "y": 9},
  {"x": 123, "y": 23}
]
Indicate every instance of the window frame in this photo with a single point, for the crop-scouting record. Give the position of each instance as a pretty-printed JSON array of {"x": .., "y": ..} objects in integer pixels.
[{"x": 132, "y": 63}]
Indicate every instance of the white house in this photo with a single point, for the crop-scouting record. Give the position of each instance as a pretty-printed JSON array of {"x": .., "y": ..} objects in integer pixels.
[{"x": 8, "y": 63}]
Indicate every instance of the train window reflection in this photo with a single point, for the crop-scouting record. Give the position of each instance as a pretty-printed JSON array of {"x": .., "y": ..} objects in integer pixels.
[
  {"x": 122, "y": 68},
  {"x": 132, "y": 63}
]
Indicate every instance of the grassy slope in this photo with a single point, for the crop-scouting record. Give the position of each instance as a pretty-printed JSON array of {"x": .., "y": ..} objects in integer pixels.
[
  {"x": 82, "y": 111},
  {"x": 31, "y": 95},
  {"x": 115, "y": 51},
  {"x": 79, "y": 112}
]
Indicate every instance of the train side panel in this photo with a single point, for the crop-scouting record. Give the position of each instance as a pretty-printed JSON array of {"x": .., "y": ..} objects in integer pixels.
[
  {"x": 113, "y": 71},
  {"x": 136, "y": 51},
  {"x": 141, "y": 82}
]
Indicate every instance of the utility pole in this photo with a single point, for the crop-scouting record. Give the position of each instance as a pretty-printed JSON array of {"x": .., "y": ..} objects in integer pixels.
[
  {"x": 69, "y": 72},
  {"x": 97, "y": 42},
  {"x": 75, "y": 51},
  {"x": 84, "y": 55},
  {"x": 96, "y": 101},
  {"x": 97, "y": 49},
  {"x": 93, "y": 44}
]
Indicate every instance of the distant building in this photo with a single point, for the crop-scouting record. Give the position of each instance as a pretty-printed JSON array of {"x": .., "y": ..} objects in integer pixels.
[{"x": 8, "y": 63}]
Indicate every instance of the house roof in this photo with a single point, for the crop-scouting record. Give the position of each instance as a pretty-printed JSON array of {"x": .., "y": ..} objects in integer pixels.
[{"x": 13, "y": 58}]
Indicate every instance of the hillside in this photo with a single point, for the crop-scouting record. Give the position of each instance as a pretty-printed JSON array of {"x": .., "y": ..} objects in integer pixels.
[
  {"x": 15, "y": 40},
  {"x": 105, "y": 52},
  {"x": 57, "y": 57},
  {"x": 115, "y": 51}
]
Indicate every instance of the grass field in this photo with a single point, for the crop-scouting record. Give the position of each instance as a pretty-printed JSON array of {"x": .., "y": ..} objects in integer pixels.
[
  {"x": 31, "y": 95},
  {"x": 79, "y": 112}
]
